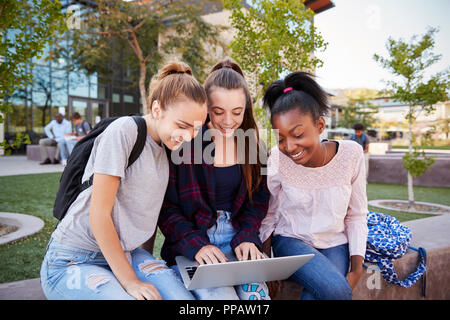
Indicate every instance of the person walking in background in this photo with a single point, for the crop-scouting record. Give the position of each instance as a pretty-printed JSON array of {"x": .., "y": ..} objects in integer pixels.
[
  {"x": 82, "y": 128},
  {"x": 360, "y": 137},
  {"x": 55, "y": 131}
]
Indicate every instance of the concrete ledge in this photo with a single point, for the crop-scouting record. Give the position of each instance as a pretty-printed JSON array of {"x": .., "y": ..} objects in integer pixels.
[
  {"x": 34, "y": 152},
  {"x": 27, "y": 224},
  {"x": 389, "y": 169},
  {"x": 429, "y": 233}
]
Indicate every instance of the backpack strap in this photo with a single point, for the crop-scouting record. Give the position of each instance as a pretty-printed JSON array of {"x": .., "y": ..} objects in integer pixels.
[
  {"x": 140, "y": 141},
  {"x": 135, "y": 152}
]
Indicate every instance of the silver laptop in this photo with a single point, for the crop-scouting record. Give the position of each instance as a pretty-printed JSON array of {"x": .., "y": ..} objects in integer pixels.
[{"x": 234, "y": 272}]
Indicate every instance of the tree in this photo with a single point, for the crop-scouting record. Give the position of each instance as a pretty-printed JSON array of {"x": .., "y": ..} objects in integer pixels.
[
  {"x": 358, "y": 110},
  {"x": 273, "y": 37},
  {"x": 409, "y": 62},
  {"x": 27, "y": 27},
  {"x": 136, "y": 28}
]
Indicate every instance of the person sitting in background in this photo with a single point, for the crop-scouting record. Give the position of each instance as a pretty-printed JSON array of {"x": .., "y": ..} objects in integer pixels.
[
  {"x": 363, "y": 140},
  {"x": 82, "y": 128},
  {"x": 55, "y": 132}
]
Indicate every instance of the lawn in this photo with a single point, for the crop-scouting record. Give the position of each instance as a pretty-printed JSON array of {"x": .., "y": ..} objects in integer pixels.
[{"x": 34, "y": 194}]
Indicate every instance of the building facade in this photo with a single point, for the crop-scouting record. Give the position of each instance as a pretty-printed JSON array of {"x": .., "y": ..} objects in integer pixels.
[{"x": 57, "y": 87}]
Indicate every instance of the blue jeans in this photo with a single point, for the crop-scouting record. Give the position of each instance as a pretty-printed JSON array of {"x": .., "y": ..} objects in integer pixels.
[
  {"x": 220, "y": 235},
  {"x": 70, "y": 144},
  {"x": 62, "y": 148},
  {"x": 72, "y": 273},
  {"x": 322, "y": 277}
]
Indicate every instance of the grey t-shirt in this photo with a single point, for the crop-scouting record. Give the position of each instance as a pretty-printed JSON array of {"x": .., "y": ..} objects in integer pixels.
[
  {"x": 82, "y": 129},
  {"x": 139, "y": 197}
]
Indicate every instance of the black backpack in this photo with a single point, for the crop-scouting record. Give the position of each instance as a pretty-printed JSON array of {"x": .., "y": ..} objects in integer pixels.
[{"x": 70, "y": 184}]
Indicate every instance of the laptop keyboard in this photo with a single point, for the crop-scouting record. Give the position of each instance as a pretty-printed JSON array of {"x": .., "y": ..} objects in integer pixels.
[{"x": 191, "y": 271}]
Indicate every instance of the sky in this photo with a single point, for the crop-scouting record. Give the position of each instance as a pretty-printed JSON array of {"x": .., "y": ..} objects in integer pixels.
[{"x": 357, "y": 29}]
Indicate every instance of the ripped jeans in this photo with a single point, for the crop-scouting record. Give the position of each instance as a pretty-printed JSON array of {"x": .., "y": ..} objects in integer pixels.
[{"x": 72, "y": 273}]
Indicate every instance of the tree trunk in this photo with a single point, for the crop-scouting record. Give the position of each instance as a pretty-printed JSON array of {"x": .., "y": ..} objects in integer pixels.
[
  {"x": 410, "y": 178},
  {"x": 142, "y": 67},
  {"x": 142, "y": 88}
]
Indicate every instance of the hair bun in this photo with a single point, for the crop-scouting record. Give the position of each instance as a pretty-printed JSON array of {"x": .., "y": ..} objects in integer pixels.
[
  {"x": 174, "y": 67},
  {"x": 229, "y": 64}
]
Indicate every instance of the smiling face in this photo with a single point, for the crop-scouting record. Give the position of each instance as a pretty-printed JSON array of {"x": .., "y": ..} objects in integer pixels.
[
  {"x": 180, "y": 121},
  {"x": 226, "y": 109},
  {"x": 299, "y": 136}
]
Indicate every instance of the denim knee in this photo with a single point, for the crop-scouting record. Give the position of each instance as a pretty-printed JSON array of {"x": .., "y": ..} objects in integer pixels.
[{"x": 337, "y": 291}]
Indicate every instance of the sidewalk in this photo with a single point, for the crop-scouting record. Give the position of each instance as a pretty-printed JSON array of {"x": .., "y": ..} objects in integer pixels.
[{"x": 17, "y": 165}]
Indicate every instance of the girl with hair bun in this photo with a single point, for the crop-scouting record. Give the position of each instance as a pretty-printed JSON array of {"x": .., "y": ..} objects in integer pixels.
[
  {"x": 318, "y": 198},
  {"x": 214, "y": 209},
  {"x": 94, "y": 253}
]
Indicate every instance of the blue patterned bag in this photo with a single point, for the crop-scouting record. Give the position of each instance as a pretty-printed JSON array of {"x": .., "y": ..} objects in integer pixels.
[{"x": 388, "y": 240}]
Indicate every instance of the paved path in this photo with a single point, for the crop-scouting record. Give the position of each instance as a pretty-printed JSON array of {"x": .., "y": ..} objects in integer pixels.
[{"x": 17, "y": 165}]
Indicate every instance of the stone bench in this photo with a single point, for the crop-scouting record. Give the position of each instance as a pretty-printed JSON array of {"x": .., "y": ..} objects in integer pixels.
[
  {"x": 34, "y": 152},
  {"x": 429, "y": 233}
]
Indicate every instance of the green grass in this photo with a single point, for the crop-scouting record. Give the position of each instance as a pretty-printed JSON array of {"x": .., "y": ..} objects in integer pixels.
[
  {"x": 378, "y": 191},
  {"x": 34, "y": 194}
]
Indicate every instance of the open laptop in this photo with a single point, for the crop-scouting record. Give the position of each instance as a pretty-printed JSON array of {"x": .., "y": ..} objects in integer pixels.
[{"x": 234, "y": 272}]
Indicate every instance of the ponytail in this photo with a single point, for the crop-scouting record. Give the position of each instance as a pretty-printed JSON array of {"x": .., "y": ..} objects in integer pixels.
[{"x": 297, "y": 90}]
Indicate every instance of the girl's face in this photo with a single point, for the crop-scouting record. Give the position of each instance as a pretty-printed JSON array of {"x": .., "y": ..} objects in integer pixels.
[
  {"x": 299, "y": 135},
  {"x": 180, "y": 121},
  {"x": 226, "y": 109}
]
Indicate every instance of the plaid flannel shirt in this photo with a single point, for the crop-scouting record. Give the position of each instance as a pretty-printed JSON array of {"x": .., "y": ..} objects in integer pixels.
[{"x": 188, "y": 210}]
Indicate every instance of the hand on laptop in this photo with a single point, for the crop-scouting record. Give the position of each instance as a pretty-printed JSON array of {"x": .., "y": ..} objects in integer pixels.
[
  {"x": 210, "y": 254},
  {"x": 245, "y": 249}
]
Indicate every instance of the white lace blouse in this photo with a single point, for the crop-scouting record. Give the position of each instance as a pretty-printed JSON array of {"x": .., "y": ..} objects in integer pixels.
[{"x": 324, "y": 206}]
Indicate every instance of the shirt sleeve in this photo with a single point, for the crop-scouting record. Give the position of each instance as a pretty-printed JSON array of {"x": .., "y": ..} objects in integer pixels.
[
  {"x": 269, "y": 223},
  {"x": 86, "y": 127},
  {"x": 355, "y": 221},
  {"x": 48, "y": 131},
  {"x": 114, "y": 147}
]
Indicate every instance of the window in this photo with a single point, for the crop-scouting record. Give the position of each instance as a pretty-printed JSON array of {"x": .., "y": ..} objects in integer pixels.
[
  {"x": 116, "y": 98},
  {"x": 127, "y": 98}
]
